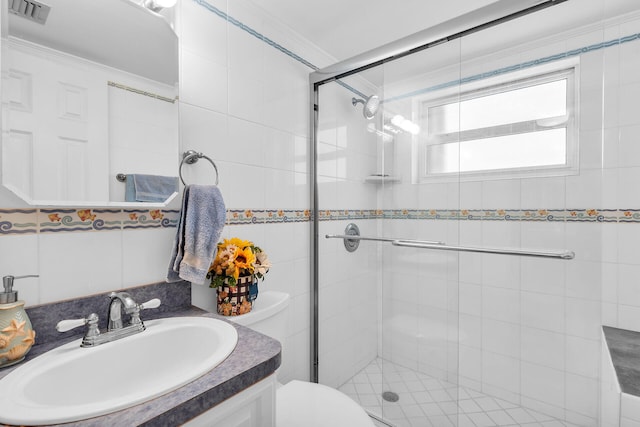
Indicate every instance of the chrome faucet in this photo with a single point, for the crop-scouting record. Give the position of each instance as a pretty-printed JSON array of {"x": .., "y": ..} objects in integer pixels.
[{"x": 119, "y": 302}]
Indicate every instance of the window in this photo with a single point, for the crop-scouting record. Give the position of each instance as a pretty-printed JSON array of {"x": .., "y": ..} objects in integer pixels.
[{"x": 520, "y": 124}]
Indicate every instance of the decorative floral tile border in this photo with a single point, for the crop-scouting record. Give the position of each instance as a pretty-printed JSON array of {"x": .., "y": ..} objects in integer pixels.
[
  {"x": 67, "y": 220},
  {"x": 548, "y": 215},
  {"x": 260, "y": 216},
  {"x": 153, "y": 218},
  {"x": 55, "y": 220},
  {"x": 18, "y": 221}
]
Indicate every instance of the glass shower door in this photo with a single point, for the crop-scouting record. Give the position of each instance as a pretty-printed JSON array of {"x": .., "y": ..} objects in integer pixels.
[
  {"x": 474, "y": 146},
  {"x": 387, "y": 315}
]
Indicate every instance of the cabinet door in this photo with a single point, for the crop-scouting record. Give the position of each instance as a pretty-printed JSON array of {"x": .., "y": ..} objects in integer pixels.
[{"x": 252, "y": 407}]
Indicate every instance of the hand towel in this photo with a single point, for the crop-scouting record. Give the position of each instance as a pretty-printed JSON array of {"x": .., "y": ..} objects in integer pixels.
[
  {"x": 149, "y": 188},
  {"x": 199, "y": 229}
]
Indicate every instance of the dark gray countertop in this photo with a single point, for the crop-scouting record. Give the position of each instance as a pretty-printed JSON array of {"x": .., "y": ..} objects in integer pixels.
[
  {"x": 624, "y": 348},
  {"x": 255, "y": 357}
]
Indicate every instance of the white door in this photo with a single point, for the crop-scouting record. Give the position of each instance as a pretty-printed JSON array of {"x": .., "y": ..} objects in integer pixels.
[{"x": 58, "y": 128}]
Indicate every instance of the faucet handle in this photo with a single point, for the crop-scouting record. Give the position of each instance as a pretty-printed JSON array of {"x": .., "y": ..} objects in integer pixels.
[
  {"x": 152, "y": 303},
  {"x": 135, "y": 316},
  {"x": 67, "y": 325}
]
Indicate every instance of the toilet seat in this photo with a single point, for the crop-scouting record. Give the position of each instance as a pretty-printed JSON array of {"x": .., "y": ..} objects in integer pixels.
[{"x": 300, "y": 403}]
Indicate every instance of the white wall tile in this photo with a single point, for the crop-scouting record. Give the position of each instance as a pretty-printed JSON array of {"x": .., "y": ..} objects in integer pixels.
[
  {"x": 471, "y": 195},
  {"x": 543, "y": 311},
  {"x": 204, "y": 131},
  {"x": 203, "y": 82},
  {"x": 584, "y": 190},
  {"x": 584, "y": 279},
  {"x": 628, "y": 104},
  {"x": 627, "y": 238},
  {"x": 242, "y": 185},
  {"x": 471, "y": 363},
  {"x": 543, "y": 348},
  {"x": 543, "y": 193},
  {"x": 585, "y": 240},
  {"x": 628, "y": 317},
  {"x": 203, "y": 33},
  {"x": 591, "y": 149},
  {"x": 79, "y": 264},
  {"x": 501, "y": 338},
  {"x": 628, "y": 198},
  {"x": 501, "y": 271},
  {"x": 582, "y": 395},
  {"x": 19, "y": 256},
  {"x": 628, "y": 151},
  {"x": 543, "y": 276},
  {"x": 582, "y": 356},
  {"x": 501, "y": 304},
  {"x": 501, "y": 372},
  {"x": 501, "y": 194},
  {"x": 628, "y": 286},
  {"x": 543, "y": 384},
  {"x": 583, "y": 318},
  {"x": 145, "y": 255},
  {"x": 246, "y": 143}
]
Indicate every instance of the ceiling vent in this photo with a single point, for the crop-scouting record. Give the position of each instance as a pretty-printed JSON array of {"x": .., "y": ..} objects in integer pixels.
[{"x": 29, "y": 9}]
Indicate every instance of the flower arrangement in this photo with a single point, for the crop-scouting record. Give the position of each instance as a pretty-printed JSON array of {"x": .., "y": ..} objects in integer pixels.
[{"x": 235, "y": 258}]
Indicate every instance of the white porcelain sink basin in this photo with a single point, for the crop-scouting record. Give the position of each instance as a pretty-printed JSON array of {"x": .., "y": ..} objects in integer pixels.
[{"x": 71, "y": 383}]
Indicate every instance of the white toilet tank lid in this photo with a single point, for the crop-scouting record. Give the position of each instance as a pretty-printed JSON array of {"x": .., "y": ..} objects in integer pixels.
[
  {"x": 266, "y": 305},
  {"x": 300, "y": 403}
]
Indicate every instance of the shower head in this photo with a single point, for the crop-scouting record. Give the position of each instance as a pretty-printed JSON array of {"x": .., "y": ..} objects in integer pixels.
[{"x": 370, "y": 106}]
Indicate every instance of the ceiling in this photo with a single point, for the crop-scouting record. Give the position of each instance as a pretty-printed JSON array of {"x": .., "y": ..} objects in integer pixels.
[
  {"x": 344, "y": 29},
  {"x": 366, "y": 24}
]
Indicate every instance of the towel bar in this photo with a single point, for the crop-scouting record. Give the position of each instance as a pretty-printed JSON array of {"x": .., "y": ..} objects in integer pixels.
[{"x": 190, "y": 157}]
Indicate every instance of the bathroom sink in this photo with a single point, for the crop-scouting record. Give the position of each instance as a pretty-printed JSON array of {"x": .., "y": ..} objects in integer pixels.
[{"x": 71, "y": 383}]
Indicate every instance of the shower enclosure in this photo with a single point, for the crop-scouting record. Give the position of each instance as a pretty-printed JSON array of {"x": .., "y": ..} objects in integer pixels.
[{"x": 454, "y": 155}]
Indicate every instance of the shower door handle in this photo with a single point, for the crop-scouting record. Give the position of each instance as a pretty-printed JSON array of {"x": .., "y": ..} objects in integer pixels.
[{"x": 521, "y": 252}]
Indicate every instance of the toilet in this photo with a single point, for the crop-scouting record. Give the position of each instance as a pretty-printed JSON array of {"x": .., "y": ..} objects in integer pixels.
[{"x": 300, "y": 402}]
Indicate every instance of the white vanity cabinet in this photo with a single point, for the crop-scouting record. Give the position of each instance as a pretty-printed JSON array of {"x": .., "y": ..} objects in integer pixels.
[{"x": 252, "y": 407}]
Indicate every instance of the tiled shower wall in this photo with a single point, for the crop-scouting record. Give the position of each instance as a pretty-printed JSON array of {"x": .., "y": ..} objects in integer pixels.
[{"x": 528, "y": 329}]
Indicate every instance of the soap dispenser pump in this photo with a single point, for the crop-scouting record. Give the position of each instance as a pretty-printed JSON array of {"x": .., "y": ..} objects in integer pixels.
[{"x": 16, "y": 333}]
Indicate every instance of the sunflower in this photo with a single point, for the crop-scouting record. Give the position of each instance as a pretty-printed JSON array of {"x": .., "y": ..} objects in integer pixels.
[{"x": 245, "y": 260}]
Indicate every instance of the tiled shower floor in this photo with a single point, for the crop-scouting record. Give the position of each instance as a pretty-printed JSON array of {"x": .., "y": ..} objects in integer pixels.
[{"x": 429, "y": 402}]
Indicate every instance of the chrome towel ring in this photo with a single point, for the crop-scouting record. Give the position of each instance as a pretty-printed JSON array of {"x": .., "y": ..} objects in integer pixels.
[{"x": 190, "y": 157}]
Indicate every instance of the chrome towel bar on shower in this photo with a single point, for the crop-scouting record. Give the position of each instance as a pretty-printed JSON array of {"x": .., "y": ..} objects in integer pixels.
[
  {"x": 352, "y": 240},
  {"x": 378, "y": 239},
  {"x": 522, "y": 252}
]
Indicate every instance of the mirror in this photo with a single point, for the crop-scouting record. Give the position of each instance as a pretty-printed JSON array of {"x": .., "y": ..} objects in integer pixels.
[{"x": 90, "y": 91}]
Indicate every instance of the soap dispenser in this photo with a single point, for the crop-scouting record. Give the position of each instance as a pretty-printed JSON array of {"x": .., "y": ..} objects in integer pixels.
[{"x": 16, "y": 333}]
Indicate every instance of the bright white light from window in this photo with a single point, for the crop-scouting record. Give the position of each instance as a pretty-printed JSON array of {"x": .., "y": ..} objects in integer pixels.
[
  {"x": 165, "y": 3},
  {"x": 535, "y": 149},
  {"x": 510, "y": 106},
  {"x": 405, "y": 124}
]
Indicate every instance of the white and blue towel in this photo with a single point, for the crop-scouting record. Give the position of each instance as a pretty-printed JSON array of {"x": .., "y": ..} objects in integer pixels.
[{"x": 199, "y": 229}]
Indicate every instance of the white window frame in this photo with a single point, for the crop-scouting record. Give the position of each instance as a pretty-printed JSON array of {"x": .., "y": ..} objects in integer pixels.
[{"x": 564, "y": 69}]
